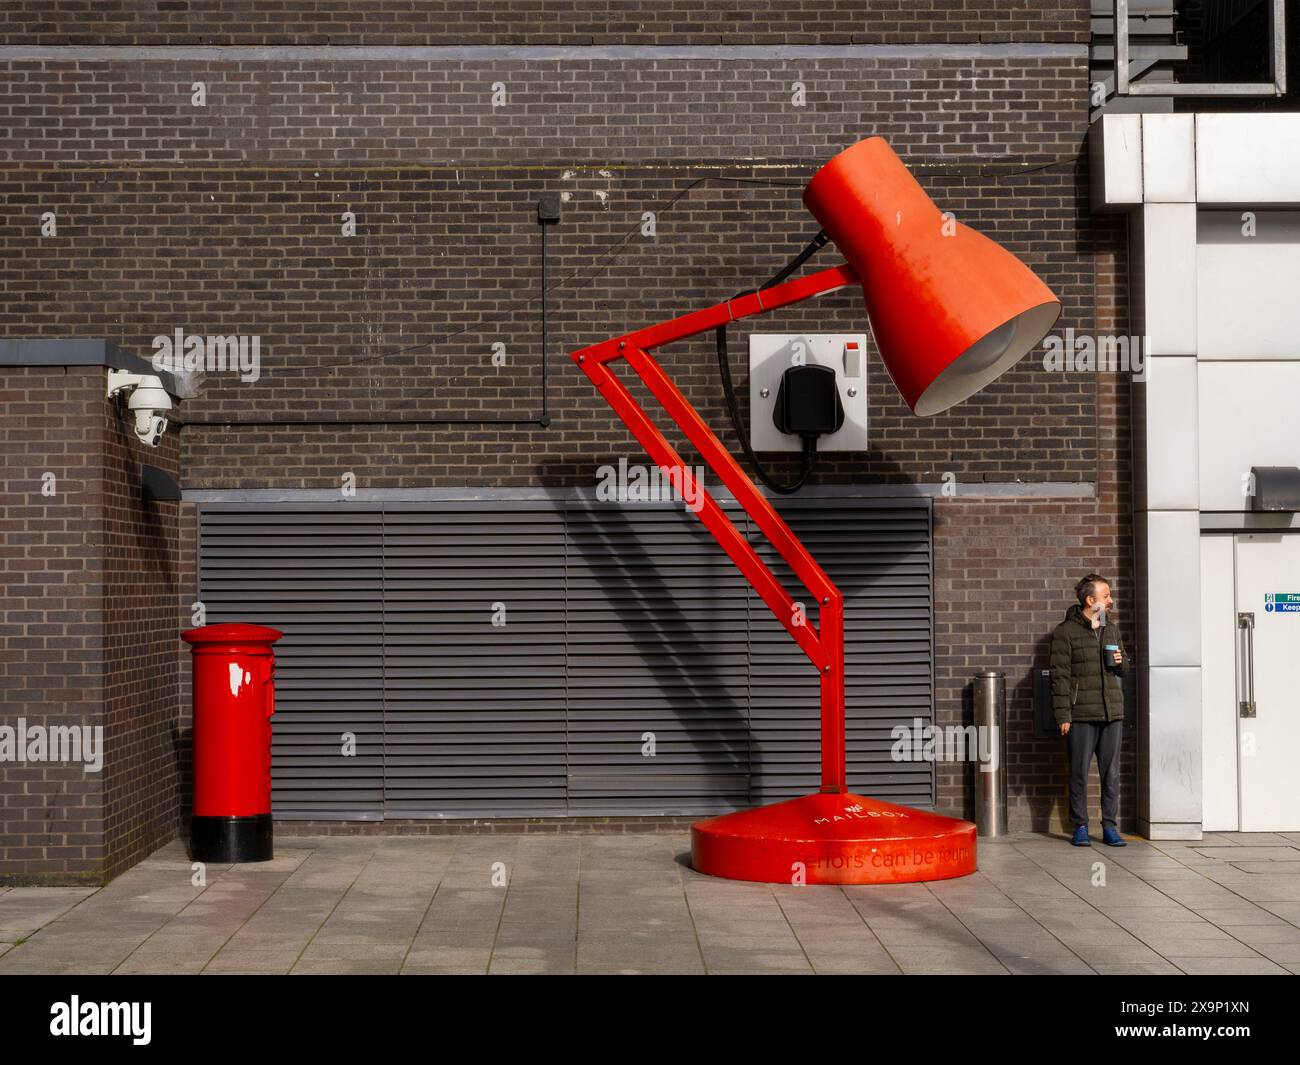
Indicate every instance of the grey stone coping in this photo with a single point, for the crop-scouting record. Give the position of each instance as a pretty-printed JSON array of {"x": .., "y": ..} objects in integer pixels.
[{"x": 77, "y": 351}]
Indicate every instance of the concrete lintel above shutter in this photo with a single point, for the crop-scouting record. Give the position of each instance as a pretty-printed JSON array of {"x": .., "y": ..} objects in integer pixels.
[{"x": 827, "y": 494}]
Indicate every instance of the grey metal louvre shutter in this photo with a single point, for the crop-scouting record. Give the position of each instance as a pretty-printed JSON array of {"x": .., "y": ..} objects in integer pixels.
[
  {"x": 657, "y": 644},
  {"x": 474, "y": 711},
  {"x": 317, "y": 575},
  {"x": 620, "y": 621},
  {"x": 878, "y": 554}
]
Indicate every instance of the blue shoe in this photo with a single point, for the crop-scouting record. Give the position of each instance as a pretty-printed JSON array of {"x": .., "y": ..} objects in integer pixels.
[
  {"x": 1112, "y": 838},
  {"x": 1080, "y": 838}
]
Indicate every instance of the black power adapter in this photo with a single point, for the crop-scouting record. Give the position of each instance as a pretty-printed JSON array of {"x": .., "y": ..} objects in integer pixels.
[{"x": 808, "y": 403}]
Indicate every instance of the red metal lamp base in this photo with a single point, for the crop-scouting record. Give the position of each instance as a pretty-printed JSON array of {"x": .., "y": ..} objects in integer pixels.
[{"x": 834, "y": 839}]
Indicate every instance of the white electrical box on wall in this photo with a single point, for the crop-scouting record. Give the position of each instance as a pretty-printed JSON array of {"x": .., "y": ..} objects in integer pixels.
[{"x": 771, "y": 354}]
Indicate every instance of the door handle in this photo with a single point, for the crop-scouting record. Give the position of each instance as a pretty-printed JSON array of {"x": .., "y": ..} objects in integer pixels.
[{"x": 1246, "y": 682}]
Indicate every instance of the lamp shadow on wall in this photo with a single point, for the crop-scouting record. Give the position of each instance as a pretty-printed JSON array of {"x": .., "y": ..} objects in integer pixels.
[{"x": 694, "y": 686}]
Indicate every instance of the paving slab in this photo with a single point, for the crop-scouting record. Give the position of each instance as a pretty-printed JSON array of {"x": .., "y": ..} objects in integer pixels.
[
  {"x": 315, "y": 966},
  {"x": 161, "y": 965},
  {"x": 939, "y": 961},
  {"x": 251, "y": 962},
  {"x": 24, "y": 910},
  {"x": 1156, "y": 968},
  {"x": 1228, "y": 966},
  {"x": 1047, "y": 965},
  {"x": 444, "y": 956},
  {"x": 1282, "y": 953},
  {"x": 640, "y": 953},
  {"x": 1251, "y": 854},
  {"x": 631, "y": 904},
  {"x": 1245, "y": 914}
]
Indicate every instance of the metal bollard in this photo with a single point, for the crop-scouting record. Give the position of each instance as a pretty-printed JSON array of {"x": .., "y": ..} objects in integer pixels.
[{"x": 991, "y": 780}]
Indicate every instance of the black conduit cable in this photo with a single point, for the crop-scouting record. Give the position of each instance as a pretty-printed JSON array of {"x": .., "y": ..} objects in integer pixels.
[
  {"x": 729, "y": 391},
  {"x": 545, "y": 420}
]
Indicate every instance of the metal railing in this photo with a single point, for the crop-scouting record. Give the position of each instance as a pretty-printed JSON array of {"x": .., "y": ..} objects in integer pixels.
[
  {"x": 1138, "y": 45},
  {"x": 1125, "y": 86}
]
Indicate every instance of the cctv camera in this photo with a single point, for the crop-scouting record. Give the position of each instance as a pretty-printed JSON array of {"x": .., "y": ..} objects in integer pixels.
[
  {"x": 149, "y": 427},
  {"x": 148, "y": 402}
]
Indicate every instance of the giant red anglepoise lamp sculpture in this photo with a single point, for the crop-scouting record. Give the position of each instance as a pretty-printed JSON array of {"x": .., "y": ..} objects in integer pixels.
[{"x": 950, "y": 311}]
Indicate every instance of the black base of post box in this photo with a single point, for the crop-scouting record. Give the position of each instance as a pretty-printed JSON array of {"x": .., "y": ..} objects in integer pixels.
[{"x": 231, "y": 839}]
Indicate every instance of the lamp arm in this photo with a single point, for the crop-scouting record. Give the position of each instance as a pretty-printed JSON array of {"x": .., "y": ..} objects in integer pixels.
[{"x": 823, "y": 645}]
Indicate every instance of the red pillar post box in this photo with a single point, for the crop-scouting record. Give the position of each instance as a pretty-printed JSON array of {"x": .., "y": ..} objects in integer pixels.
[{"x": 234, "y": 698}]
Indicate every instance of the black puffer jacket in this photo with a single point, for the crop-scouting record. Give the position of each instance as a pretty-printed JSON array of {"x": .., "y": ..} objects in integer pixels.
[{"x": 1085, "y": 680}]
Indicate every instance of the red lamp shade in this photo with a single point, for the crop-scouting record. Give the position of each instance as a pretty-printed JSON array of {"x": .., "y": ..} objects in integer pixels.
[{"x": 950, "y": 309}]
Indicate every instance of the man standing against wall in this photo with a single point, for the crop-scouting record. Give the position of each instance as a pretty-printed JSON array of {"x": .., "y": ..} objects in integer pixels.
[{"x": 1088, "y": 660}]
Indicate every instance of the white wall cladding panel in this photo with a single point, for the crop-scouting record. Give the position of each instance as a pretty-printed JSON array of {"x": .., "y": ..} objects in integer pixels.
[
  {"x": 1248, "y": 417},
  {"x": 1168, "y": 158},
  {"x": 1210, "y": 300},
  {"x": 1173, "y": 587},
  {"x": 1168, "y": 243},
  {"x": 1174, "y": 741},
  {"x": 1166, "y": 471},
  {"x": 1115, "y": 149},
  {"x": 1247, "y": 303},
  {"x": 1248, "y": 158}
]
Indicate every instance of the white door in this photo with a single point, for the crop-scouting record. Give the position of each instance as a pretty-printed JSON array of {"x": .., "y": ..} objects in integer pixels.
[{"x": 1268, "y": 680}]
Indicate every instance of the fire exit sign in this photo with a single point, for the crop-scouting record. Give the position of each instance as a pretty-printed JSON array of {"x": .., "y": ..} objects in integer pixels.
[{"x": 1282, "y": 602}]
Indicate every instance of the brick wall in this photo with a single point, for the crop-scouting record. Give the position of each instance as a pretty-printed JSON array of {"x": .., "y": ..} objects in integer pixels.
[
  {"x": 1004, "y": 578},
  {"x": 226, "y": 219},
  {"x": 144, "y": 719},
  {"x": 399, "y": 321},
  {"x": 571, "y": 22},
  {"x": 488, "y": 113},
  {"x": 1005, "y": 575},
  {"x": 88, "y": 630},
  {"x": 51, "y": 616}
]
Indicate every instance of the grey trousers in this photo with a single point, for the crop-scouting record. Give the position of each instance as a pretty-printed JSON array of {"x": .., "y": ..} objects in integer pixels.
[{"x": 1085, "y": 739}]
